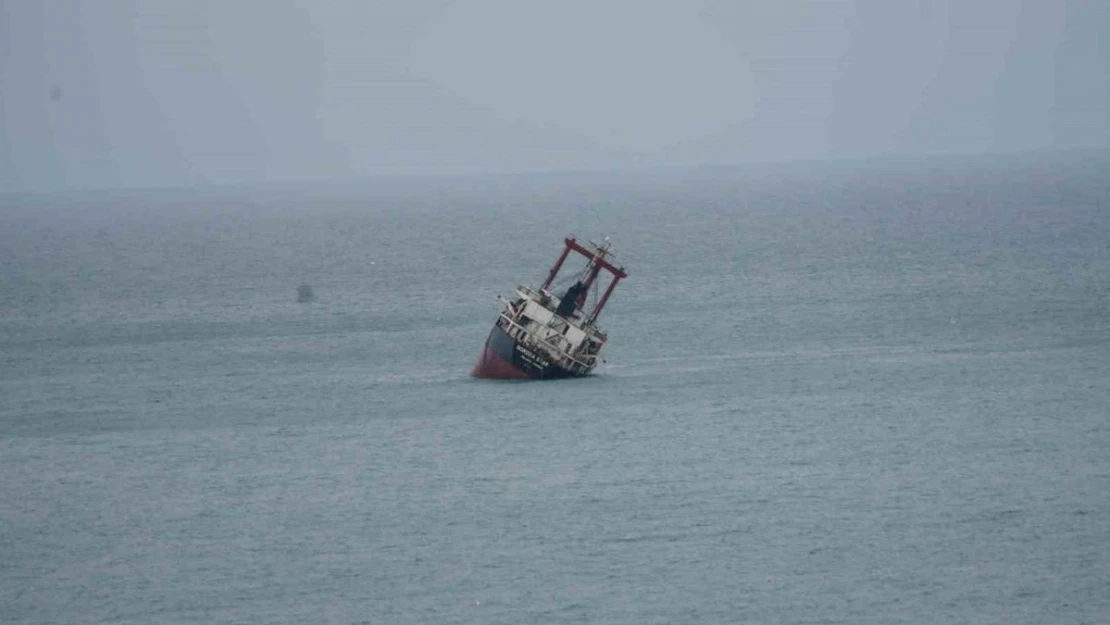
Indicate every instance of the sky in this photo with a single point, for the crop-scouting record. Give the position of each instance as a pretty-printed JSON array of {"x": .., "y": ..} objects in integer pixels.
[{"x": 170, "y": 93}]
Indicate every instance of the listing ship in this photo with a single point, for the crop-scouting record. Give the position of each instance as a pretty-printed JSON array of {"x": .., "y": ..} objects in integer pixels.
[{"x": 541, "y": 336}]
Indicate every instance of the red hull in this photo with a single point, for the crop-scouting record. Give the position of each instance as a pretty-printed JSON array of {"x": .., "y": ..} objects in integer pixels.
[{"x": 494, "y": 367}]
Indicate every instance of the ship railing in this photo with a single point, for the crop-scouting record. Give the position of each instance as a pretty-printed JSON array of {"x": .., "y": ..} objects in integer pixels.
[
  {"x": 580, "y": 322},
  {"x": 541, "y": 297},
  {"x": 518, "y": 332}
]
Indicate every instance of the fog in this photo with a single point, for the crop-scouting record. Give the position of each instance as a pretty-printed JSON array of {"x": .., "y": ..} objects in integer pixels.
[{"x": 164, "y": 93}]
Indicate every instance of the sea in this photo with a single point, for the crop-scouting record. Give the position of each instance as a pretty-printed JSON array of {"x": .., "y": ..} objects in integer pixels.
[{"x": 872, "y": 391}]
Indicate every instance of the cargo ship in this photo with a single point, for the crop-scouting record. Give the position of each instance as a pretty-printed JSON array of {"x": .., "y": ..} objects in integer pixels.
[{"x": 543, "y": 335}]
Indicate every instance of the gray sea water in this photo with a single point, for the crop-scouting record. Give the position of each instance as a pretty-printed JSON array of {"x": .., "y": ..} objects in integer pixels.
[{"x": 869, "y": 393}]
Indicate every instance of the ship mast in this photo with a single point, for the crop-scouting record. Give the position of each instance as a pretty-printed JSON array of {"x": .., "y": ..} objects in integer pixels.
[{"x": 597, "y": 262}]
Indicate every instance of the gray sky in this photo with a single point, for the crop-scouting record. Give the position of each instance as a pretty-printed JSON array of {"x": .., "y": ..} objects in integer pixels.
[{"x": 171, "y": 92}]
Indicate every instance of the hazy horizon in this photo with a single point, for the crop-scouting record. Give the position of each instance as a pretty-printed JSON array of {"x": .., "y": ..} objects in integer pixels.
[{"x": 163, "y": 94}]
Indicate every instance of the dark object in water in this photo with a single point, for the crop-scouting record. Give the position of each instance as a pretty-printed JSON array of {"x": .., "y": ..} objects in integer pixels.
[
  {"x": 304, "y": 294},
  {"x": 540, "y": 335}
]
